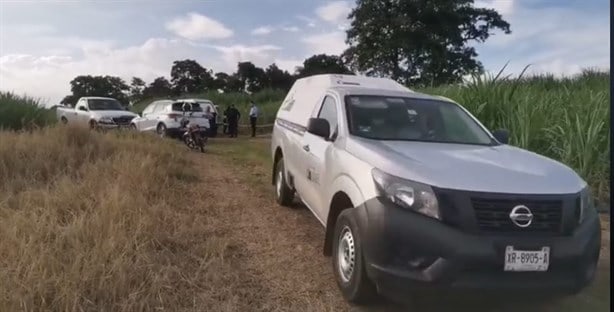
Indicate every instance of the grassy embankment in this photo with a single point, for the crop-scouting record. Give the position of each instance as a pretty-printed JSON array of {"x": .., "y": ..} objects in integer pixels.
[
  {"x": 93, "y": 222},
  {"x": 566, "y": 119}
]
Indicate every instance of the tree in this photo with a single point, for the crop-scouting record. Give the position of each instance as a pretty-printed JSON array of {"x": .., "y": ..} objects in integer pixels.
[
  {"x": 277, "y": 78},
  {"x": 323, "y": 64},
  {"x": 188, "y": 76},
  {"x": 107, "y": 86},
  {"x": 70, "y": 100},
  {"x": 220, "y": 81},
  {"x": 252, "y": 77},
  {"x": 136, "y": 89},
  {"x": 419, "y": 41},
  {"x": 160, "y": 87}
]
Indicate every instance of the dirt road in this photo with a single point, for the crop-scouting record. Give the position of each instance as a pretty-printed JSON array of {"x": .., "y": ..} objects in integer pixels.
[{"x": 277, "y": 252}]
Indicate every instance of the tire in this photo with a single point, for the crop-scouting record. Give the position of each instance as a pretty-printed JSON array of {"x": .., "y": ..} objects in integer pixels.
[
  {"x": 133, "y": 127},
  {"x": 348, "y": 262},
  {"x": 188, "y": 142},
  {"x": 93, "y": 125},
  {"x": 161, "y": 130},
  {"x": 64, "y": 120},
  {"x": 284, "y": 195}
]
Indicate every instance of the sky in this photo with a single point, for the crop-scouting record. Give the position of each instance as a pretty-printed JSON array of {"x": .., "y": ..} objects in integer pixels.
[{"x": 44, "y": 44}]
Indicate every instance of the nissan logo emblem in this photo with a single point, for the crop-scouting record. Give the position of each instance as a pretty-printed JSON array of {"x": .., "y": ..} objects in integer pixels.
[{"x": 521, "y": 216}]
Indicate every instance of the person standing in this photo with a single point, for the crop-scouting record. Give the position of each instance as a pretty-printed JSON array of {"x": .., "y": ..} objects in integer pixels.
[
  {"x": 213, "y": 122},
  {"x": 253, "y": 117},
  {"x": 225, "y": 120},
  {"x": 233, "y": 121}
]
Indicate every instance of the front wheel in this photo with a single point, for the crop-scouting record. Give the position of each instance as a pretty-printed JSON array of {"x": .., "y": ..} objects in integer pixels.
[
  {"x": 161, "y": 130},
  {"x": 188, "y": 141},
  {"x": 348, "y": 262}
]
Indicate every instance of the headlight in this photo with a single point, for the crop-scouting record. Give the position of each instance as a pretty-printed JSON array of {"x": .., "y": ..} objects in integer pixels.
[
  {"x": 106, "y": 119},
  {"x": 407, "y": 194},
  {"x": 586, "y": 203}
]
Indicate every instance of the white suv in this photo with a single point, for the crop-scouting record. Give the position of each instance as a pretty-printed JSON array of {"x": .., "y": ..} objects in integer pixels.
[
  {"x": 416, "y": 194},
  {"x": 164, "y": 116}
]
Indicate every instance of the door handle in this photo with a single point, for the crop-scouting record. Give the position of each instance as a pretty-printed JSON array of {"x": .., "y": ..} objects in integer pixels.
[{"x": 306, "y": 148}]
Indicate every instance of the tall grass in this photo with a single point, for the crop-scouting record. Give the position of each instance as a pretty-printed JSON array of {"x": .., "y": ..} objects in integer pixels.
[
  {"x": 92, "y": 222},
  {"x": 567, "y": 119},
  {"x": 18, "y": 112}
]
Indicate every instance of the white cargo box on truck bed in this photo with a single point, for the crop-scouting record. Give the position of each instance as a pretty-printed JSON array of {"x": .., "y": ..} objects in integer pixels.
[{"x": 307, "y": 92}]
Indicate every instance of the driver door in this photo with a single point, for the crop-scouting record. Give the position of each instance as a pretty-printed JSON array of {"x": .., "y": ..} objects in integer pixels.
[
  {"x": 315, "y": 151},
  {"x": 82, "y": 114}
]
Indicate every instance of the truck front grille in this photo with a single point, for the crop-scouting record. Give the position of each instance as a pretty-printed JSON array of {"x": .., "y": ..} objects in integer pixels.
[
  {"x": 123, "y": 120},
  {"x": 493, "y": 215}
]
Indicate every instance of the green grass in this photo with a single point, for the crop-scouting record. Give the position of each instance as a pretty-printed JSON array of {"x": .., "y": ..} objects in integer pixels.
[
  {"x": 565, "y": 119},
  {"x": 19, "y": 112}
]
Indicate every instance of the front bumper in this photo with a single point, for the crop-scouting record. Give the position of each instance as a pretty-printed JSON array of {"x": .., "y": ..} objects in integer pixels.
[
  {"x": 395, "y": 240},
  {"x": 110, "y": 126}
]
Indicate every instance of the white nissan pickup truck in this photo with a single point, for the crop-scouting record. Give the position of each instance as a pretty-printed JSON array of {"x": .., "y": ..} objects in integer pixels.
[
  {"x": 415, "y": 194},
  {"x": 96, "y": 112}
]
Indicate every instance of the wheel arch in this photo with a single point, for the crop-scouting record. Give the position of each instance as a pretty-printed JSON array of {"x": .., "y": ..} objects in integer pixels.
[{"x": 347, "y": 195}]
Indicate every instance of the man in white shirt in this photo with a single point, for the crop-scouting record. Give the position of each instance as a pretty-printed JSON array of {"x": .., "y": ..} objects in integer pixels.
[{"x": 253, "y": 117}]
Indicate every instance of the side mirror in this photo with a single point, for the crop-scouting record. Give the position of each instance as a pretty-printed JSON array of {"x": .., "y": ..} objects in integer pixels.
[
  {"x": 319, "y": 127},
  {"x": 83, "y": 108},
  {"x": 502, "y": 135}
]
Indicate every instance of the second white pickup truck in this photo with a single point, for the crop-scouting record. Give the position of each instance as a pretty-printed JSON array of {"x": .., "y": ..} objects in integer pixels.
[{"x": 96, "y": 112}]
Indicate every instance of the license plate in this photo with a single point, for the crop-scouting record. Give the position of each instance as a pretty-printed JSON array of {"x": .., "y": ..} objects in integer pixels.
[{"x": 527, "y": 260}]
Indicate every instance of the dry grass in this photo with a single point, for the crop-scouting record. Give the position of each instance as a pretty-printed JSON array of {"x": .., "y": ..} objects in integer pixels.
[{"x": 92, "y": 222}]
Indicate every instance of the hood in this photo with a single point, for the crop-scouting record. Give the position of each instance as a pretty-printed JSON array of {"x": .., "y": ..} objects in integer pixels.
[
  {"x": 112, "y": 113},
  {"x": 498, "y": 169}
]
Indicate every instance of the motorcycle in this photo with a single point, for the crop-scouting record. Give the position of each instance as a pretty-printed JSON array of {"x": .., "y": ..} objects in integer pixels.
[{"x": 194, "y": 136}]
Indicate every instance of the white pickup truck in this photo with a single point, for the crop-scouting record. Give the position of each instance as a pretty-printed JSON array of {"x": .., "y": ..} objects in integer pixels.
[
  {"x": 416, "y": 195},
  {"x": 97, "y": 112}
]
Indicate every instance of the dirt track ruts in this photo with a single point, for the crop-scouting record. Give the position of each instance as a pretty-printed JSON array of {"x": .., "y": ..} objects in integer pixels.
[{"x": 277, "y": 253}]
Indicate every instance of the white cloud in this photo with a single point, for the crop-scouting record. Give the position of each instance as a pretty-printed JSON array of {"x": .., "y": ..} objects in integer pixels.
[
  {"x": 195, "y": 26},
  {"x": 264, "y": 30},
  {"x": 549, "y": 45},
  {"x": 261, "y": 55},
  {"x": 288, "y": 64},
  {"x": 335, "y": 12},
  {"x": 291, "y": 29},
  {"x": 504, "y": 7},
  {"x": 327, "y": 43},
  {"x": 308, "y": 21},
  {"x": 48, "y": 77}
]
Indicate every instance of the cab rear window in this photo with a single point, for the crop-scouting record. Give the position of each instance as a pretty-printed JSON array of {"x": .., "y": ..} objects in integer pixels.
[{"x": 190, "y": 107}]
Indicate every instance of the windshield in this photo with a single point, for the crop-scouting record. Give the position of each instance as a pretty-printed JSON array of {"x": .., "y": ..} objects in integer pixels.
[
  {"x": 407, "y": 119},
  {"x": 189, "y": 107},
  {"x": 104, "y": 104}
]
